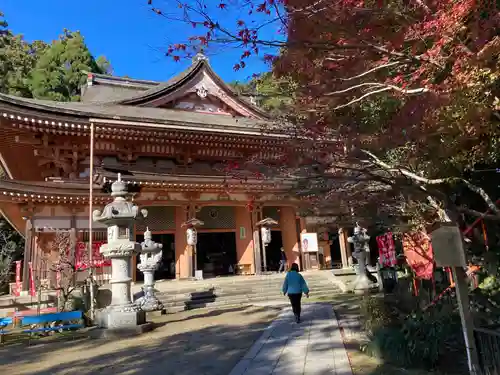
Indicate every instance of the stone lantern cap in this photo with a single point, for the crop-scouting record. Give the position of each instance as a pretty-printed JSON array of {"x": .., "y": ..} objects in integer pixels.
[
  {"x": 149, "y": 245},
  {"x": 120, "y": 209},
  {"x": 267, "y": 222},
  {"x": 194, "y": 222}
]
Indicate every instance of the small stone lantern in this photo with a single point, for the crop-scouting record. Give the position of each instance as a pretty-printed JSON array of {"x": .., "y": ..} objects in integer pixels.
[
  {"x": 119, "y": 217},
  {"x": 361, "y": 250},
  {"x": 150, "y": 257}
]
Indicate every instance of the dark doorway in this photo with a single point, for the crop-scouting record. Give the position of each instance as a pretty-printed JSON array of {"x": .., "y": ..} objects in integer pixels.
[
  {"x": 273, "y": 251},
  {"x": 335, "y": 251},
  {"x": 216, "y": 253},
  {"x": 166, "y": 269}
]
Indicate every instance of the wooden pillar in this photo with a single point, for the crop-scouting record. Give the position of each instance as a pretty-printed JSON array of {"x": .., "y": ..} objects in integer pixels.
[
  {"x": 28, "y": 248},
  {"x": 345, "y": 247},
  {"x": 181, "y": 261},
  {"x": 289, "y": 234},
  {"x": 327, "y": 254},
  {"x": 256, "y": 215},
  {"x": 244, "y": 238}
]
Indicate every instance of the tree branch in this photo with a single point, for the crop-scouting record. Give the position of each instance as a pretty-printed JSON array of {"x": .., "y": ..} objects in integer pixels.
[
  {"x": 438, "y": 181},
  {"x": 380, "y": 67}
]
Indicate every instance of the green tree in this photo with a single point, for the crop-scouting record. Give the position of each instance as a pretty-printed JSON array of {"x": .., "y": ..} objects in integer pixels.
[
  {"x": 271, "y": 93},
  {"x": 17, "y": 59},
  {"x": 57, "y": 74},
  {"x": 11, "y": 249}
]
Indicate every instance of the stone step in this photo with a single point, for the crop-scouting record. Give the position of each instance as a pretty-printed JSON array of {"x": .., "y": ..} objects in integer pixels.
[
  {"x": 184, "y": 285},
  {"x": 235, "y": 292},
  {"x": 243, "y": 286},
  {"x": 277, "y": 300},
  {"x": 168, "y": 300}
]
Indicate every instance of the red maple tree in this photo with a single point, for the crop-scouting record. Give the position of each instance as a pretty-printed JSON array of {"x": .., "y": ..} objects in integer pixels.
[{"x": 409, "y": 87}]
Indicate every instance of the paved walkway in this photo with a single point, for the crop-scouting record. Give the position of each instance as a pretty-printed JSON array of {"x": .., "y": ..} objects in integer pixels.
[{"x": 313, "y": 347}]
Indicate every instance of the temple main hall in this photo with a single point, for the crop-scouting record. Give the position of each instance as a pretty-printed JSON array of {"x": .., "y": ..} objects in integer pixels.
[{"x": 182, "y": 146}]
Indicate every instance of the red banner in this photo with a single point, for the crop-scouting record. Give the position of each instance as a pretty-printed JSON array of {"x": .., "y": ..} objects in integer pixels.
[
  {"x": 418, "y": 251},
  {"x": 32, "y": 280},
  {"x": 387, "y": 250},
  {"x": 18, "y": 278},
  {"x": 82, "y": 260}
]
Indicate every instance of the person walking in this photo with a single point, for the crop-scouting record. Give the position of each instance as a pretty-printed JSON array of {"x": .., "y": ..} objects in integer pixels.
[
  {"x": 294, "y": 285},
  {"x": 283, "y": 261}
]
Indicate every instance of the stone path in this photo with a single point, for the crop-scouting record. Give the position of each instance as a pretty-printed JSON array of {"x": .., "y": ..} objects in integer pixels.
[{"x": 313, "y": 347}]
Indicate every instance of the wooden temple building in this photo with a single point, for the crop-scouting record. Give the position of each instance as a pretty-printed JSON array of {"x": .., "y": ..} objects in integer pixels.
[{"x": 172, "y": 142}]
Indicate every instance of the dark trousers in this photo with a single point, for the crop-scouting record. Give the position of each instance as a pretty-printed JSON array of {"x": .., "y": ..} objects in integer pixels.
[
  {"x": 295, "y": 301},
  {"x": 282, "y": 266}
]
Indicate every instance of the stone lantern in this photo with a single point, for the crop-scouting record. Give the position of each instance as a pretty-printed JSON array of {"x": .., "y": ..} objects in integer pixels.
[
  {"x": 119, "y": 217},
  {"x": 265, "y": 226},
  {"x": 150, "y": 257},
  {"x": 361, "y": 250}
]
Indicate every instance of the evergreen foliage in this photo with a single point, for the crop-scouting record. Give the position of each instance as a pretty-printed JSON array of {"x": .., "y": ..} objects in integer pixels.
[{"x": 46, "y": 71}]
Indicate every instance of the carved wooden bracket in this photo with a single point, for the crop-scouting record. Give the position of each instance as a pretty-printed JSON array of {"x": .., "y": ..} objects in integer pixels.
[
  {"x": 29, "y": 210},
  {"x": 59, "y": 159}
]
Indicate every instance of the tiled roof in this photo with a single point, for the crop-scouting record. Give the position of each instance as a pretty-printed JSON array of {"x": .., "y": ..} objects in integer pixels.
[{"x": 180, "y": 119}]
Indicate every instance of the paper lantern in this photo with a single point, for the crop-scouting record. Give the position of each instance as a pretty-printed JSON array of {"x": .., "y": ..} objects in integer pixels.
[
  {"x": 266, "y": 235},
  {"x": 192, "y": 237}
]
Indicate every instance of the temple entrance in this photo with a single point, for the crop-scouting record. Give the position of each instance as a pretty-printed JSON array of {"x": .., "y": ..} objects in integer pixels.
[
  {"x": 216, "y": 253},
  {"x": 335, "y": 250},
  {"x": 166, "y": 269},
  {"x": 273, "y": 251}
]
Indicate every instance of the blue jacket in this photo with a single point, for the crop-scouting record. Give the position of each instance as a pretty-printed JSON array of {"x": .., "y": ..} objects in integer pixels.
[{"x": 294, "y": 284}]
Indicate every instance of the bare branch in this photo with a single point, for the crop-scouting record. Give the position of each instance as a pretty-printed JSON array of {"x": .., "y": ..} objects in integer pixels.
[{"x": 377, "y": 68}]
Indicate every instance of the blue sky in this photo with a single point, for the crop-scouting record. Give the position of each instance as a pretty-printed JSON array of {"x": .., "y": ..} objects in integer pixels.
[{"x": 131, "y": 36}]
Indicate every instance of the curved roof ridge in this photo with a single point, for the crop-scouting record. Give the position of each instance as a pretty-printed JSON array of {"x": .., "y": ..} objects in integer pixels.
[{"x": 184, "y": 77}]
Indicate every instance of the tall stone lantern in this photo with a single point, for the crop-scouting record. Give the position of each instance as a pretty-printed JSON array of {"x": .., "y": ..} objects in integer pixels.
[
  {"x": 119, "y": 217},
  {"x": 361, "y": 250},
  {"x": 150, "y": 260}
]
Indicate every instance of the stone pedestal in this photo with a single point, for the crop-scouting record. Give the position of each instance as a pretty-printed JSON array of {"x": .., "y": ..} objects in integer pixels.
[{"x": 122, "y": 314}]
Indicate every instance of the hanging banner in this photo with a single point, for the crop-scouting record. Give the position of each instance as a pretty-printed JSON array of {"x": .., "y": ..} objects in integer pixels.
[
  {"x": 386, "y": 250},
  {"x": 309, "y": 242},
  {"x": 418, "y": 251},
  {"x": 82, "y": 256},
  {"x": 18, "y": 278},
  {"x": 32, "y": 280}
]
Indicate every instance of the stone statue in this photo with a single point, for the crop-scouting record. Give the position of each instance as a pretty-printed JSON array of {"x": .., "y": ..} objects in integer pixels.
[
  {"x": 361, "y": 252},
  {"x": 150, "y": 257},
  {"x": 119, "y": 217}
]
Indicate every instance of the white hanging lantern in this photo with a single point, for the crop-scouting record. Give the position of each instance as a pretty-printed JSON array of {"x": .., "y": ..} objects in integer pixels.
[
  {"x": 266, "y": 235},
  {"x": 192, "y": 237}
]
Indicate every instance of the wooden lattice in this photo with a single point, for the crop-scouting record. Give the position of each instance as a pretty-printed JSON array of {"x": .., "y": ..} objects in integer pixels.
[
  {"x": 159, "y": 218},
  {"x": 217, "y": 217}
]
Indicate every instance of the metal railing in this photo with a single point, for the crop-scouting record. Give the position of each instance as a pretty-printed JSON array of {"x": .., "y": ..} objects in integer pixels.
[{"x": 488, "y": 348}]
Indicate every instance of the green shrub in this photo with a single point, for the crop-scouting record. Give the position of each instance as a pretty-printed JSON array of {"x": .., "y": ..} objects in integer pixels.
[{"x": 420, "y": 341}]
